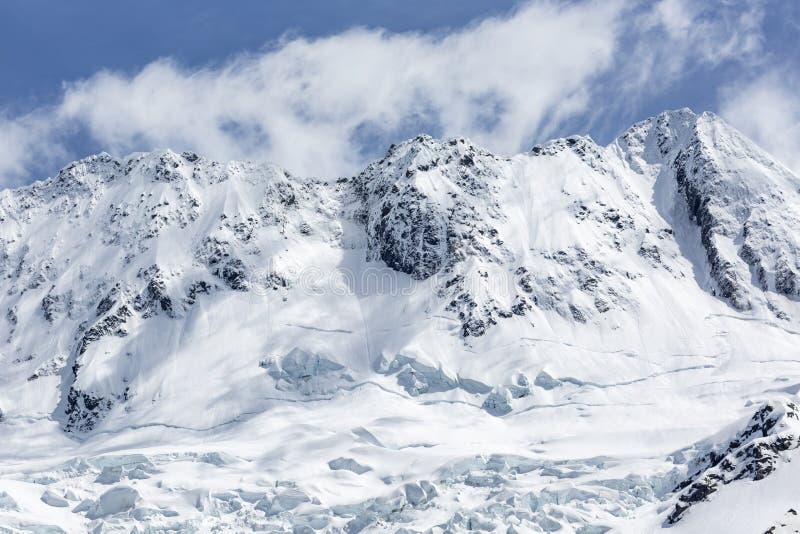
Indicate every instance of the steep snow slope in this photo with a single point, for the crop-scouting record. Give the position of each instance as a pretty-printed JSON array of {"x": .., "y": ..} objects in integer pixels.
[
  {"x": 743, "y": 201},
  {"x": 448, "y": 341}
]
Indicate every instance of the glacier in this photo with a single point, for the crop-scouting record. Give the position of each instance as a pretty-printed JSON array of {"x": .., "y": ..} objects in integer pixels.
[{"x": 577, "y": 339}]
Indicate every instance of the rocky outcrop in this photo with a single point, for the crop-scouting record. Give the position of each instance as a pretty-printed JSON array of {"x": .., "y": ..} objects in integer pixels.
[
  {"x": 421, "y": 205},
  {"x": 753, "y": 453},
  {"x": 219, "y": 257},
  {"x": 154, "y": 298},
  {"x": 428, "y": 206},
  {"x": 84, "y": 410},
  {"x": 693, "y": 172},
  {"x": 743, "y": 202}
]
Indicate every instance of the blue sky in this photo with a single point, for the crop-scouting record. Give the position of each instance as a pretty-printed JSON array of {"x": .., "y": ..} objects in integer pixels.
[
  {"x": 44, "y": 42},
  {"x": 321, "y": 87}
]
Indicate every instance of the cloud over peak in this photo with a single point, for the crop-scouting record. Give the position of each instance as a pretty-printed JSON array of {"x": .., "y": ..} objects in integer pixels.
[{"x": 323, "y": 106}]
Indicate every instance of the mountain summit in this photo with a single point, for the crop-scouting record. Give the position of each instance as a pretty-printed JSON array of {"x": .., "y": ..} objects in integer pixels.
[{"x": 448, "y": 341}]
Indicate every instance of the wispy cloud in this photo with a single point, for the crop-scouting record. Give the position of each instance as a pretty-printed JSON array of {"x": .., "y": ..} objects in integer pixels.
[
  {"x": 317, "y": 106},
  {"x": 768, "y": 110}
]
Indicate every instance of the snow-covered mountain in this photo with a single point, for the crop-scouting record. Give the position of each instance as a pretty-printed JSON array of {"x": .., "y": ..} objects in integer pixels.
[{"x": 449, "y": 341}]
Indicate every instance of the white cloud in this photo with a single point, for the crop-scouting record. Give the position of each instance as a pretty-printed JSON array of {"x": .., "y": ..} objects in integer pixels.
[
  {"x": 710, "y": 31},
  {"x": 767, "y": 110},
  {"x": 677, "y": 37},
  {"x": 301, "y": 103},
  {"x": 27, "y": 142},
  {"x": 307, "y": 104}
]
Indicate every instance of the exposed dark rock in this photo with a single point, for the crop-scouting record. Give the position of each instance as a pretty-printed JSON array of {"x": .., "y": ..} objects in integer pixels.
[
  {"x": 785, "y": 278},
  {"x": 618, "y": 220},
  {"x": 11, "y": 315},
  {"x": 577, "y": 313},
  {"x": 49, "y": 368},
  {"x": 111, "y": 325},
  {"x": 521, "y": 306},
  {"x": 217, "y": 256},
  {"x": 584, "y": 147},
  {"x": 106, "y": 303},
  {"x": 650, "y": 251},
  {"x": 753, "y": 453},
  {"x": 84, "y": 410},
  {"x": 153, "y": 299},
  {"x": 601, "y": 304},
  {"x": 52, "y": 306},
  {"x": 422, "y": 232},
  {"x": 524, "y": 279},
  {"x": 200, "y": 287},
  {"x": 191, "y": 157},
  {"x": 167, "y": 168},
  {"x": 699, "y": 203}
]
